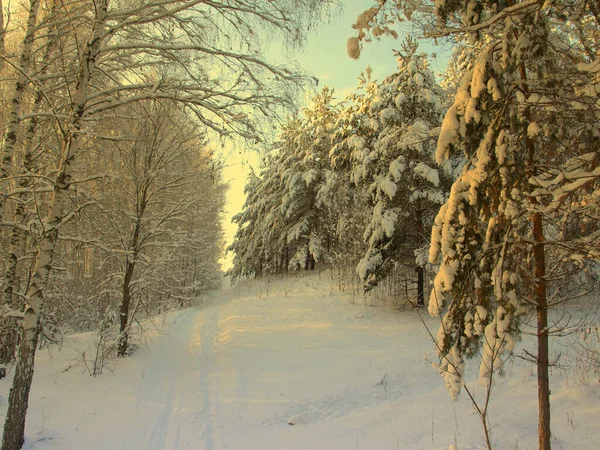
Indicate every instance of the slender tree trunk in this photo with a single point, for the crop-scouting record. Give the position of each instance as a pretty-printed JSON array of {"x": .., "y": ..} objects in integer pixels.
[
  {"x": 14, "y": 426},
  {"x": 10, "y": 138},
  {"x": 17, "y": 236},
  {"x": 126, "y": 299},
  {"x": 420, "y": 269},
  {"x": 124, "y": 309},
  {"x": 18, "y": 400},
  {"x": 420, "y": 286},
  {"x": 129, "y": 270},
  {"x": 540, "y": 296},
  {"x": 542, "y": 335}
]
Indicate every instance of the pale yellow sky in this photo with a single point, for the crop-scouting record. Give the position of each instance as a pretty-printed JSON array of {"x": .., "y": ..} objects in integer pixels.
[{"x": 325, "y": 57}]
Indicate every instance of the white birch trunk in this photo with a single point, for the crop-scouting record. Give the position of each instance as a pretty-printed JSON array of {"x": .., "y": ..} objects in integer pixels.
[
  {"x": 17, "y": 237},
  {"x": 14, "y": 426},
  {"x": 10, "y": 139}
]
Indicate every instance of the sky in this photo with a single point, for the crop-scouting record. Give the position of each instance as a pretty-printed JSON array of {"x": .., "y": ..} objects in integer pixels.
[{"x": 324, "y": 57}]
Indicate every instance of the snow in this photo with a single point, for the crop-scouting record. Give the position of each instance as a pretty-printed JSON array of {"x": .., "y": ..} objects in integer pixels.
[
  {"x": 533, "y": 129},
  {"x": 238, "y": 370},
  {"x": 387, "y": 186},
  {"x": 389, "y": 115},
  {"x": 400, "y": 99},
  {"x": 388, "y": 223},
  {"x": 418, "y": 79},
  {"x": 428, "y": 173},
  {"x": 353, "y": 47}
]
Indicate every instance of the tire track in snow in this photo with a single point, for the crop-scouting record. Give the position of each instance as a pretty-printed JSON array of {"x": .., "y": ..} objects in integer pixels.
[
  {"x": 171, "y": 386},
  {"x": 158, "y": 387},
  {"x": 178, "y": 386},
  {"x": 158, "y": 434},
  {"x": 208, "y": 341}
]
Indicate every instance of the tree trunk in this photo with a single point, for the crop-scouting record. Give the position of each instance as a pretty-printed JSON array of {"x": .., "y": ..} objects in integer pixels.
[
  {"x": 14, "y": 425},
  {"x": 540, "y": 295},
  {"x": 420, "y": 269},
  {"x": 10, "y": 138},
  {"x": 124, "y": 310},
  {"x": 18, "y": 400},
  {"x": 542, "y": 335},
  {"x": 126, "y": 299},
  {"x": 130, "y": 263},
  {"x": 17, "y": 237},
  {"x": 420, "y": 286}
]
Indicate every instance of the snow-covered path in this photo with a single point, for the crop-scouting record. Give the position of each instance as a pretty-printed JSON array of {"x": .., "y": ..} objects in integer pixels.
[
  {"x": 246, "y": 370},
  {"x": 177, "y": 386},
  {"x": 291, "y": 365}
]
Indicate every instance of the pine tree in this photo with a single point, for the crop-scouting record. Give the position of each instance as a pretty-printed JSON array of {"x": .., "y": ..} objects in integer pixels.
[
  {"x": 523, "y": 116},
  {"x": 392, "y": 160},
  {"x": 286, "y": 219}
]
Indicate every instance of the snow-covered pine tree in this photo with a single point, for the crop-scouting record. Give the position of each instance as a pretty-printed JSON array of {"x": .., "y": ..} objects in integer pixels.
[
  {"x": 285, "y": 222},
  {"x": 354, "y": 133},
  {"x": 252, "y": 241},
  {"x": 398, "y": 168},
  {"x": 515, "y": 118},
  {"x": 307, "y": 175},
  {"x": 494, "y": 239}
]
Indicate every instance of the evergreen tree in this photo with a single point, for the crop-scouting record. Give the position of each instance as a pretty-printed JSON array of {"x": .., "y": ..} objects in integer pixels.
[
  {"x": 390, "y": 153},
  {"x": 523, "y": 118},
  {"x": 286, "y": 221}
]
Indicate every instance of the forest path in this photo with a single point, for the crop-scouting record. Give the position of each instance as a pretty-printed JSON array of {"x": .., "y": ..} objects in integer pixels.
[
  {"x": 287, "y": 364},
  {"x": 176, "y": 390},
  {"x": 253, "y": 361}
]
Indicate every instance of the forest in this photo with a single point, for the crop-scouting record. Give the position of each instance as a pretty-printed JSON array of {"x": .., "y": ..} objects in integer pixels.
[
  {"x": 485, "y": 177},
  {"x": 472, "y": 192}
]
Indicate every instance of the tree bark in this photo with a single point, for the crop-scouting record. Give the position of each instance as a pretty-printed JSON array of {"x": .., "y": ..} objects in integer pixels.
[
  {"x": 542, "y": 335},
  {"x": 540, "y": 295},
  {"x": 10, "y": 138},
  {"x": 420, "y": 286},
  {"x": 17, "y": 236},
  {"x": 129, "y": 269},
  {"x": 131, "y": 261},
  {"x": 124, "y": 309},
  {"x": 14, "y": 426},
  {"x": 18, "y": 400},
  {"x": 420, "y": 269}
]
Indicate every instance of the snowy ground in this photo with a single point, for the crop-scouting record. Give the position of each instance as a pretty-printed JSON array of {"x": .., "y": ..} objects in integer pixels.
[{"x": 236, "y": 372}]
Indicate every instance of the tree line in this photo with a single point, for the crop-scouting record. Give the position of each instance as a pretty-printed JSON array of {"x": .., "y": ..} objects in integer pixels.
[{"x": 352, "y": 183}]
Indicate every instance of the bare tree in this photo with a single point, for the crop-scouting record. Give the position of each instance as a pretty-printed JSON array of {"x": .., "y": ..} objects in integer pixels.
[{"x": 203, "y": 55}]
